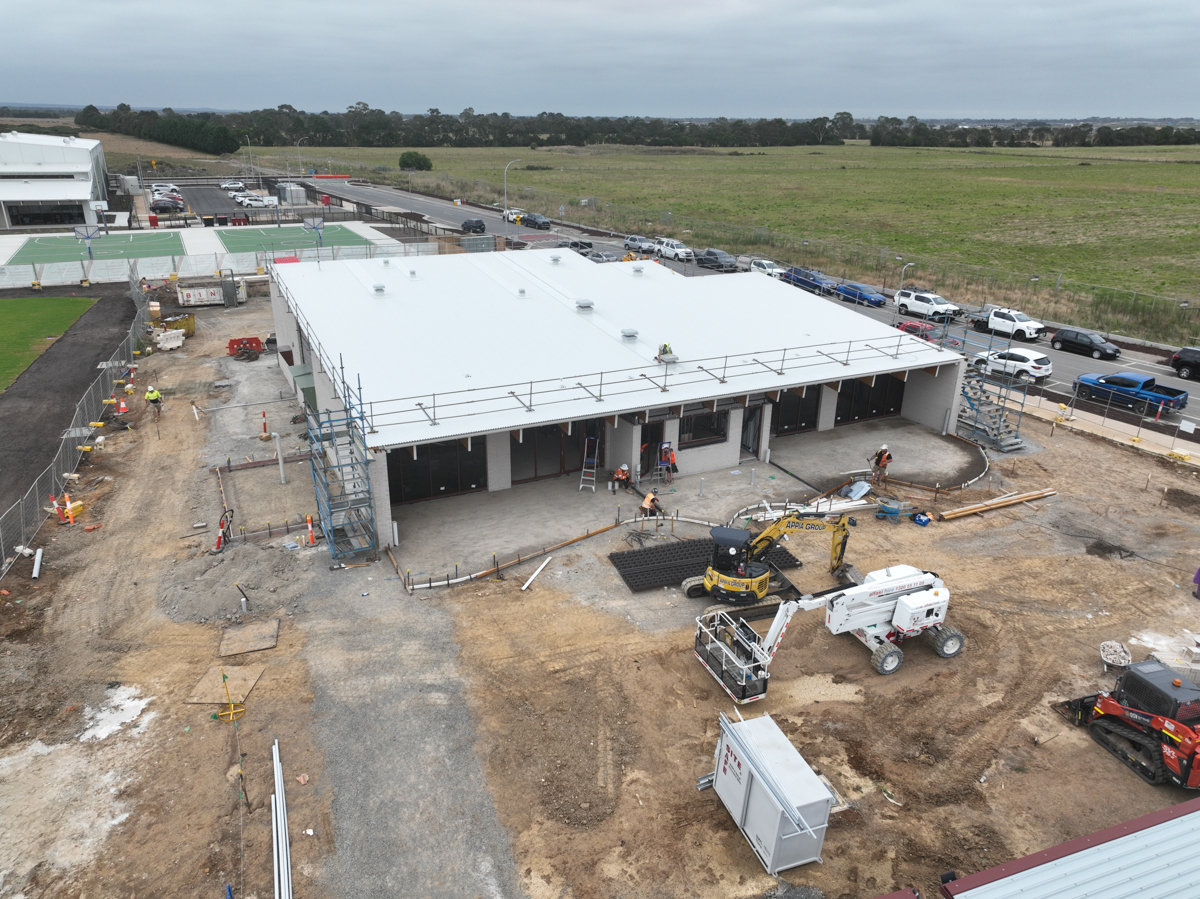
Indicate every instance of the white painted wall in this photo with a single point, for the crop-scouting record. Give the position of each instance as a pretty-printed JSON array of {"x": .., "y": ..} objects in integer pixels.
[
  {"x": 622, "y": 445},
  {"x": 827, "y": 414},
  {"x": 764, "y": 439},
  {"x": 381, "y": 497},
  {"x": 927, "y": 397},
  {"x": 499, "y": 461},
  {"x": 715, "y": 455}
]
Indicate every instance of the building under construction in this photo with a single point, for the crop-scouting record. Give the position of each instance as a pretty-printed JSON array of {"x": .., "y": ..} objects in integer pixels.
[{"x": 444, "y": 375}]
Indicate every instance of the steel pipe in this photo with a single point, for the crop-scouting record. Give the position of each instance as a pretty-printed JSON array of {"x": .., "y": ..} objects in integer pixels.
[{"x": 37, "y": 565}]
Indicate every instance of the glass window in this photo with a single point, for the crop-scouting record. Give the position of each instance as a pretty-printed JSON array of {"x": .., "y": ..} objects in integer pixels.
[{"x": 695, "y": 430}]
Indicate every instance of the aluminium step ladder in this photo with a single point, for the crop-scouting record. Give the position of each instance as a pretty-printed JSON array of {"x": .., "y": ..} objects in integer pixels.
[{"x": 587, "y": 478}]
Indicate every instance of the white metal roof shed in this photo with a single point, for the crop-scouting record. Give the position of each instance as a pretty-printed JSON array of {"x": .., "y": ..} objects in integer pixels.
[
  {"x": 1152, "y": 857},
  {"x": 495, "y": 341}
]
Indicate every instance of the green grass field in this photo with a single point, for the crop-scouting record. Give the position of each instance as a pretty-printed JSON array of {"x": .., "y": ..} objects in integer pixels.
[
  {"x": 26, "y": 322},
  {"x": 117, "y": 245},
  {"x": 1122, "y": 216},
  {"x": 289, "y": 237}
]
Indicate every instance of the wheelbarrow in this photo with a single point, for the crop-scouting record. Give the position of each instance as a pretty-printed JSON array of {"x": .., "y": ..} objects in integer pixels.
[{"x": 892, "y": 510}]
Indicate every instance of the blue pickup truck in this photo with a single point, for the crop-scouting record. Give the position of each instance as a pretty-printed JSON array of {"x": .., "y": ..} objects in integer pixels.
[{"x": 1130, "y": 389}]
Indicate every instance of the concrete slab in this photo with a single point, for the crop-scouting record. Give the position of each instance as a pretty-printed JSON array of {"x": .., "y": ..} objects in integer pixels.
[
  {"x": 10, "y": 244},
  {"x": 239, "y": 678},
  {"x": 362, "y": 229},
  {"x": 251, "y": 637},
  {"x": 827, "y": 458},
  {"x": 464, "y": 531},
  {"x": 201, "y": 241}
]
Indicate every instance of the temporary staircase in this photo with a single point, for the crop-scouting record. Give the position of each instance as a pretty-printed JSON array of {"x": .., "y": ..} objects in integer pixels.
[
  {"x": 340, "y": 461},
  {"x": 985, "y": 417}
]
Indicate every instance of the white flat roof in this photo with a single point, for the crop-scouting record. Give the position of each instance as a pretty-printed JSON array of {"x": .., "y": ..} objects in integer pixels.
[
  {"x": 48, "y": 140},
  {"x": 44, "y": 190},
  {"x": 476, "y": 329}
]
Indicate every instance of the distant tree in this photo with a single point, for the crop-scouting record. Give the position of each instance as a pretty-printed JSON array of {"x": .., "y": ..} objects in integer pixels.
[
  {"x": 843, "y": 125},
  {"x": 411, "y": 159}
]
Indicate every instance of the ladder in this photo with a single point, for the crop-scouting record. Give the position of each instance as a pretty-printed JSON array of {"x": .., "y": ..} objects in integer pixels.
[
  {"x": 587, "y": 477},
  {"x": 660, "y": 469}
]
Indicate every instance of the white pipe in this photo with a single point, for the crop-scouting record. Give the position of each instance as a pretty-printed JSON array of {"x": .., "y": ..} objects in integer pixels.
[
  {"x": 279, "y": 456},
  {"x": 395, "y": 533},
  {"x": 275, "y": 843},
  {"x": 37, "y": 564},
  {"x": 536, "y": 573}
]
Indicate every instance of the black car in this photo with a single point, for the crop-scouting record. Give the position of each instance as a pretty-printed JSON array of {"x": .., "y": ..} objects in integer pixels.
[
  {"x": 474, "y": 226},
  {"x": 533, "y": 220},
  {"x": 1186, "y": 362},
  {"x": 718, "y": 260},
  {"x": 167, "y": 207},
  {"x": 1086, "y": 342}
]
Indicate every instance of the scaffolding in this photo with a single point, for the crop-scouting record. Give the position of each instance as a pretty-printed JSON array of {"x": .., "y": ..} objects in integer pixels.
[
  {"x": 340, "y": 465},
  {"x": 993, "y": 406}
]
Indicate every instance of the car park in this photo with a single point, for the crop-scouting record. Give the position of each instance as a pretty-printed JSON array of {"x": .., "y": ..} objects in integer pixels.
[
  {"x": 1087, "y": 342},
  {"x": 601, "y": 256},
  {"x": 717, "y": 260},
  {"x": 536, "y": 221},
  {"x": 511, "y": 215},
  {"x": 1186, "y": 362},
  {"x": 232, "y": 185},
  {"x": 474, "y": 226},
  {"x": 1019, "y": 363},
  {"x": 639, "y": 244},
  {"x": 931, "y": 332},
  {"x": 925, "y": 303},
  {"x": 667, "y": 248},
  {"x": 579, "y": 246},
  {"x": 810, "y": 279},
  {"x": 860, "y": 294}
]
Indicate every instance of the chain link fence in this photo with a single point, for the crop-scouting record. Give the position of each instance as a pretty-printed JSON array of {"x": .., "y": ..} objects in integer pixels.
[{"x": 20, "y": 523}]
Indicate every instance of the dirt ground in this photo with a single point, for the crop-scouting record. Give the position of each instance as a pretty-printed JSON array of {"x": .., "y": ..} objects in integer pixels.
[{"x": 592, "y": 720}]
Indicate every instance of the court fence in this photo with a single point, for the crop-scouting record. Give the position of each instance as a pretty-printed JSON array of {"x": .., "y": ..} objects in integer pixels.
[{"x": 20, "y": 523}]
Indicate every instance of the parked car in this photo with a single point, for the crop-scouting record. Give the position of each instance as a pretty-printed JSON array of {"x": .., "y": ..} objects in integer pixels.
[
  {"x": 760, "y": 265},
  {"x": 1086, "y": 342},
  {"x": 718, "y": 260},
  {"x": 167, "y": 207},
  {"x": 579, "y": 246},
  {"x": 810, "y": 279},
  {"x": 232, "y": 185},
  {"x": 254, "y": 200},
  {"x": 240, "y": 192},
  {"x": 536, "y": 221},
  {"x": 860, "y": 294},
  {"x": 673, "y": 249},
  {"x": 639, "y": 244},
  {"x": 1186, "y": 362},
  {"x": 511, "y": 215},
  {"x": 931, "y": 332},
  {"x": 1012, "y": 322},
  {"x": 474, "y": 226},
  {"x": 601, "y": 256},
  {"x": 1019, "y": 363},
  {"x": 163, "y": 186},
  {"x": 1130, "y": 389},
  {"x": 914, "y": 301}
]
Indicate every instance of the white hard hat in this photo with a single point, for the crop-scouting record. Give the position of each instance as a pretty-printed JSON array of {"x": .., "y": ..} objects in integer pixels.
[
  {"x": 624, "y": 468},
  {"x": 151, "y": 387},
  {"x": 884, "y": 446}
]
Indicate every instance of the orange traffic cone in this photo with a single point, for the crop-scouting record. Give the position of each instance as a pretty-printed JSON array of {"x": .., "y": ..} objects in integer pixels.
[{"x": 121, "y": 407}]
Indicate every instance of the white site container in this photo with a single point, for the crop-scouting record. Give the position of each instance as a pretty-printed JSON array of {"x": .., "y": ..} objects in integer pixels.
[
  {"x": 200, "y": 296},
  {"x": 778, "y": 803}
]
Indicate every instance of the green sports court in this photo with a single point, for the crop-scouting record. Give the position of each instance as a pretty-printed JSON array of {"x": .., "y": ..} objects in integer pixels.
[
  {"x": 122, "y": 245},
  {"x": 289, "y": 237}
]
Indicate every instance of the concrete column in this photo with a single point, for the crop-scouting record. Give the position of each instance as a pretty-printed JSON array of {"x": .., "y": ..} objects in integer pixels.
[
  {"x": 623, "y": 445},
  {"x": 499, "y": 461},
  {"x": 928, "y": 397},
  {"x": 764, "y": 431},
  {"x": 827, "y": 414},
  {"x": 381, "y": 497},
  {"x": 671, "y": 433}
]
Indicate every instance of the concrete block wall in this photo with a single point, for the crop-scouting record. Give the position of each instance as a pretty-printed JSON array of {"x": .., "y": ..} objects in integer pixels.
[
  {"x": 764, "y": 433},
  {"x": 928, "y": 397},
  {"x": 622, "y": 445},
  {"x": 499, "y": 460},
  {"x": 714, "y": 456},
  {"x": 381, "y": 497}
]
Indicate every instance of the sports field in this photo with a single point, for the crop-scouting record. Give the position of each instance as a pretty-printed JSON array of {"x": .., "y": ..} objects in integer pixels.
[
  {"x": 117, "y": 245},
  {"x": 26, "y": 322},
  {"x": 289, "y": 237}
]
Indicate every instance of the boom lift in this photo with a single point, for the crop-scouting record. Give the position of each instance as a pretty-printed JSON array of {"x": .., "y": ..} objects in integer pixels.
[
  {"x": 888, "y": 607},
  {"x": 1150, "y": 721},
  {"x": 739, "y": 572}
]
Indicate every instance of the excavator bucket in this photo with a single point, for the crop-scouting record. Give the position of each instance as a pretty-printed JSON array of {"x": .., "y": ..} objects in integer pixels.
[{"x": 1078, "y": 711}]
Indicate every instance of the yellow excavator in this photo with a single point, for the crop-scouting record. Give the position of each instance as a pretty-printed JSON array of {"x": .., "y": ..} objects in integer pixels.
[{"x": 739, "y": 572}]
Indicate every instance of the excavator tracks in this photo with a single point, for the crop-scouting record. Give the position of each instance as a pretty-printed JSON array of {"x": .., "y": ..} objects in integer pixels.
[{"x": 1136, "y": 750}]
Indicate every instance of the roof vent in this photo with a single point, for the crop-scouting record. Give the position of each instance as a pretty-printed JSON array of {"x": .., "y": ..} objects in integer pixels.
[
  {"x": 379, "y": 289},
  {"x": 412, "y": 273},
  {"x": 668, "y": 357},
  {"x": 629, "y": 333},
  {"x": 584, "y": 305},
  {"x": 555, "y": 260},
  {"x": 520, "y": 291},
  {"x": 387, "y": 263},
  {"x": 637, "y": 269}
]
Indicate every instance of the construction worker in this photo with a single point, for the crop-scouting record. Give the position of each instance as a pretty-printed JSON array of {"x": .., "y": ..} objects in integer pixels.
[
  {"x": 663, "y": 350},
  {"x": 620, "y": 478},
  {"x": 879, "y": 463},
  {"x": 650, "y": 505},
  {"x": 154, "y": 400}
]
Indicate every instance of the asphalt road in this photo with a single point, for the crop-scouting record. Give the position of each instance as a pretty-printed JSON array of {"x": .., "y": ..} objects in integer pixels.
[{"x": 210, "y": 201}]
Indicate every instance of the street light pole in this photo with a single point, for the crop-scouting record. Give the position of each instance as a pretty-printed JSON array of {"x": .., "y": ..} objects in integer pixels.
[
  {"x": 506, "y": 198},
  {"x": 896, "y": 299},
  {"x": 300, "y": 162},
  {"x": 250, "y": 153}
]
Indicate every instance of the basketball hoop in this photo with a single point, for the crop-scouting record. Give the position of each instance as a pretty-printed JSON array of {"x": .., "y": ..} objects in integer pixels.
[
  {"x": 87, "y": 233},
  {"x": 314, "y": 223}
]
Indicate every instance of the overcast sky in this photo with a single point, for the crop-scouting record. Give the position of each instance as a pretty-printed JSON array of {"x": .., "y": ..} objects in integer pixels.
[{"x": 929, "y": 58}]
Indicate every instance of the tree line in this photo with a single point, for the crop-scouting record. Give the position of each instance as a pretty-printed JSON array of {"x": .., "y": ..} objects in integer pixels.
[
  {"x": 364, "y": 126},
  {"x": 912, "y": 132}
]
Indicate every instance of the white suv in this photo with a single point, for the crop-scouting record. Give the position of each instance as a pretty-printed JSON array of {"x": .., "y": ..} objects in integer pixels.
[
  {"x": 1019, "y": 363},
  {"x": 925, "y": 304},
  {"x": 673, "y": 249},
  {"x": 510, "y": 215}
]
